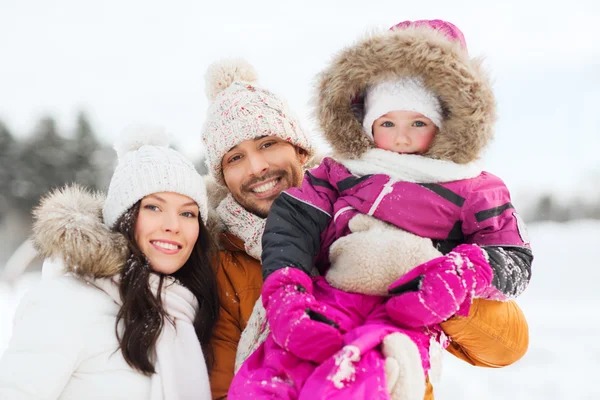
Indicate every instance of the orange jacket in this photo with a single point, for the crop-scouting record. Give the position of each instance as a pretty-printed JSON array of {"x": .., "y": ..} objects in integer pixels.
[{"x": 495, "y": 334}]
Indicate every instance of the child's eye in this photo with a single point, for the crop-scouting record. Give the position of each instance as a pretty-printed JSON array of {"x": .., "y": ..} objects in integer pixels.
[
  {"x": 388, "y": 124},
  {"x": 151, "y": 207},
  {"x": 419, "y": 123},
  {"x": 188, "y": 214}
]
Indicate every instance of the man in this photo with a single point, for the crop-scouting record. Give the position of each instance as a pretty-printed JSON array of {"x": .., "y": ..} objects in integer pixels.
[{"x": 256, "y": 149}]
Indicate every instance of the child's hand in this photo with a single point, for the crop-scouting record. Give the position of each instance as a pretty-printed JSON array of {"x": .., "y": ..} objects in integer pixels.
[
  {"x": 299, "y": 324},
  {"x": 440, "y": 288}
]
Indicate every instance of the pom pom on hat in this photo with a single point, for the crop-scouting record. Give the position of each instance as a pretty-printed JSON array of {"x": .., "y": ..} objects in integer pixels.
[
  {"x": 241, "y": 110},
  {"x": 135, "y": 136},
  {"x": 146, "y": 165},
  {"x": 221, "y": 74}
]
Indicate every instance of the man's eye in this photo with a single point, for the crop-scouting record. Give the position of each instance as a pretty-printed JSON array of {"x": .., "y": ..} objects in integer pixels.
[
  {"x": 267, "y": 144},
  {"x": 233, "y": 159}
]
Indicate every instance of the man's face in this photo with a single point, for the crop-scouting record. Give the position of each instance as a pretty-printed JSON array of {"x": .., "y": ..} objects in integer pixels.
[{"x": 257, "y": 170}]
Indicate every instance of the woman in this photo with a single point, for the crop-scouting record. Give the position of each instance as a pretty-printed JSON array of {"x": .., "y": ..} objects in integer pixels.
[{"x": 132, "y": 316}]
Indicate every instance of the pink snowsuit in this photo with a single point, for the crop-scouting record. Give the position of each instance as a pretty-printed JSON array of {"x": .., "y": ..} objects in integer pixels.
[{"x": 432, "y": 210}]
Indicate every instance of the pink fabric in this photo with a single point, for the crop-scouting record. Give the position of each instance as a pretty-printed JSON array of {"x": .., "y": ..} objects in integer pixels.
[
  {"x": 287, "y": 295},
  {"x": 271, "y": 371},
  {"x": 448, "y": 286},
  {"x": 447, "y": 28}
]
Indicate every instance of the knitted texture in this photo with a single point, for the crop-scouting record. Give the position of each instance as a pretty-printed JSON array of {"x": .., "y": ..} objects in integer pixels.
[
  {"x": 243, "y": 111},
  {"x": 449, "y": 30},
  {"x": 150, "y": 167},
  {"x": 404, "y": 94}
]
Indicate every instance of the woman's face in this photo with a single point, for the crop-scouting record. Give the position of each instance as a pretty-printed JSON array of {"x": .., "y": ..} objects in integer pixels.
[{"x": 166, "y": 230}]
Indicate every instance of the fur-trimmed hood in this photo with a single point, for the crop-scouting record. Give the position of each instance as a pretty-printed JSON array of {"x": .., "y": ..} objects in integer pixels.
[
  {"x": 460, "y": 83},
  {"x": 68, "y": 225}
]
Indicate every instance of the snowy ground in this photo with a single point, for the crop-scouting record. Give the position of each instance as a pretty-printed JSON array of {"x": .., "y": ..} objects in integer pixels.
[{"x": 562, "y": 306}]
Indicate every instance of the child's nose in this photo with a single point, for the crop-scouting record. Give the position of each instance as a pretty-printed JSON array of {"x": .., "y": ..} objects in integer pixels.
[{"x": 402, "y": 137}]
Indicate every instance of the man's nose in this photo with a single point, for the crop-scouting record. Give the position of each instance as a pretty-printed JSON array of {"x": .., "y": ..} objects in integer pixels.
[{"x": 257, "y": 164}]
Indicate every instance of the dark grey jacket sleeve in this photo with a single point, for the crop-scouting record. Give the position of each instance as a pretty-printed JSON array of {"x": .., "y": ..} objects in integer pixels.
[
  {"x": 292, "y": 236},
  {"x": 512, "y": 268}
]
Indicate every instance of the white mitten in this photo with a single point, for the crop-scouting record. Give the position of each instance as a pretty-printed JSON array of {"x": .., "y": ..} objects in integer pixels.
[
  {"x": 403, "y": 368},
  {"x": 375, "y": 255}
]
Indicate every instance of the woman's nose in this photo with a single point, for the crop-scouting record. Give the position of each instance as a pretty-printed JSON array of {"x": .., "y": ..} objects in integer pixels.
[{"x": 170, "y": 223}]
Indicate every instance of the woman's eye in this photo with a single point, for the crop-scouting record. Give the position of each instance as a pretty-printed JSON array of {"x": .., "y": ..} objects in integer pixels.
[
  {"x": 151, "y": 207},
  {"x": 188, "y": 214},
  {"x": 419, "y": 123},
  {"x": 388, "y": 124}
]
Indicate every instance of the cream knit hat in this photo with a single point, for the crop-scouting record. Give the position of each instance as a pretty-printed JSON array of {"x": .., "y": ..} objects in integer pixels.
[
  {"x": 147, "y": 165},
  {"x": 240, "y": 110},
  {"x": 403, "y": 94}
]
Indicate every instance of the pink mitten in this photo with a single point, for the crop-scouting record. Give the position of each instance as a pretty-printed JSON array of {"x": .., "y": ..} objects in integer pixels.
[
  {"x": 299, "y": 323},
  {"x": 436, "y": 290}
]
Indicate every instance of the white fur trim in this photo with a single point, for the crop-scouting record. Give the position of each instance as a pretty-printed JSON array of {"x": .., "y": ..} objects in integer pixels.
[
  {"x": 410, "y": 167},
  {"x": 404, "y": 94}
]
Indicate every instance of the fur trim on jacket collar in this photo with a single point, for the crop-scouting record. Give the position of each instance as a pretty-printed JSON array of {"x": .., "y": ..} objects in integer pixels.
[
  {"x": 68, "y": 225},
  {"x": 460, "y": 83}
]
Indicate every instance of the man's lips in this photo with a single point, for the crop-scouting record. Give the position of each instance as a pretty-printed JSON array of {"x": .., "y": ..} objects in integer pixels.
[{"x": 266, "y": 188}]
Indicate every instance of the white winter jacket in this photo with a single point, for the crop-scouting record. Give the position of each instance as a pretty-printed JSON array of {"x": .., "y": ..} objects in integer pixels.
[
  {"x": 64, "y": 346},
  {"x": 64, "y": 343}
]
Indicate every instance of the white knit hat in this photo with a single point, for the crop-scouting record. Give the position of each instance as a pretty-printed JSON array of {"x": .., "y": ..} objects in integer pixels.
[
  {"x": 147, "y": 165},
  {"x": 240, "y": 110},
  {"x": 404, "y": 94}
]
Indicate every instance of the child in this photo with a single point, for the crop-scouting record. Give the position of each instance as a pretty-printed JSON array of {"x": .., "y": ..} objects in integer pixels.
[{"x": 406, "y": 112}]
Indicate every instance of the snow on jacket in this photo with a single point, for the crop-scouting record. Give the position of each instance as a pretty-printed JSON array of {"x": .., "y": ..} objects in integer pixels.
[
  {"x": 476, "y": 210},
  {"x": 493, "y": 335},
  {"x": 64, "y": 343},
  {"x": 304, "y": 222}
]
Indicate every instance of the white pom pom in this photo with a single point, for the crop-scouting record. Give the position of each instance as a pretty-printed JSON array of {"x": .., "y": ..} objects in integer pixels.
[
  {"x": 221, "y": 74},
  {"x": 135, "y": 136}
]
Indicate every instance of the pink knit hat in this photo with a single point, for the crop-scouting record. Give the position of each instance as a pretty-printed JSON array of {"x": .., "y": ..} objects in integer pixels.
[{"x": 448, "y": 29}]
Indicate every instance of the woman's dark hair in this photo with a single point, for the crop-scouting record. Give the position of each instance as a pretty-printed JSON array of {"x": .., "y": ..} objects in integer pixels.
[{"x": 142, "y": 313}]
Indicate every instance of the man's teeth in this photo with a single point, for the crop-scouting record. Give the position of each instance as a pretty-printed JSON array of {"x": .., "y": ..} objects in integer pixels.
[
  {"x": 164, "y": 245},
  {"x": 267, "y": 186}
]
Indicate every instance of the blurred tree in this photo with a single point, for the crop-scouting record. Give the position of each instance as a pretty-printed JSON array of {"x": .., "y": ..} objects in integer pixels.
[
  {"x": 44, "y": 163},
  {"x": 84, "y": 161},
  {"x": 8, "y": 164}
]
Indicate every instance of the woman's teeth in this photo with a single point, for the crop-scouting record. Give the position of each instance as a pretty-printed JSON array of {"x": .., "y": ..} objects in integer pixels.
[{"x": 167, "y": 246}]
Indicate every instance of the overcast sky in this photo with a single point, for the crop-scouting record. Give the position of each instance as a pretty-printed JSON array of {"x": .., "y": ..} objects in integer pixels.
[{"x": 127, "y": 61}]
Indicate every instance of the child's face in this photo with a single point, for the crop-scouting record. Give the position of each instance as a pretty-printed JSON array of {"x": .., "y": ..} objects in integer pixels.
[{"x": 405, "y": 132}]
